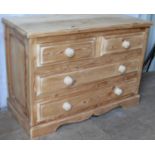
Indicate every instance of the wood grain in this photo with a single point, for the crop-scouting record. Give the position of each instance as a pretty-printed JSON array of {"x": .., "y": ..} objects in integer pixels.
[
  {"x": 114, "y": 44},
  {"x": 48, "y": 25},
  {"x": 45, "y": 84},
  {"x": 52, "y": 126},
  {"x": 81, "y": 89},
  {"x": 37, "y": 66},
  {"x": 54, "y": 52},
  {"x": 85, "y": 101},
  {"x": 17, "y": 72}
]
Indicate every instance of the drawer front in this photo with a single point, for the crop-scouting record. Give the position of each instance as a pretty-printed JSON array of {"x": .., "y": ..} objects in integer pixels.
[
  {"x": 121, "y": 43},
  {"x": 46, "y": 84},
  {"x": 65, "y": 51},
  {"x": 103, "y": 94}
]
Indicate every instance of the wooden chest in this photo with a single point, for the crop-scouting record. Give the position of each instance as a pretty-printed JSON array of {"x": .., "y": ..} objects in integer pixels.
[{"x": 66, "y": 68}]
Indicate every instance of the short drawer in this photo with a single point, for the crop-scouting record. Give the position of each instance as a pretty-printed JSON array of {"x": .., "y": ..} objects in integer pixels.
[
  {"x": 112, "y": 91},
  {"x": 119, "y": 43},
  {"x": 46, "y": 84},
  {"x": 72, "y": 50}
]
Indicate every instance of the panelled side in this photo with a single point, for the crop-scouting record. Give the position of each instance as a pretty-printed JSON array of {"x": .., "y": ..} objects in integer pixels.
[{"x": 17, "y": 75}]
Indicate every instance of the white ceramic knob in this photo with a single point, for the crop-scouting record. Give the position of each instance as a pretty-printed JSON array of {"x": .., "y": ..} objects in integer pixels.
[
  {"x": 118, "y": 91},
  {"x": 67, "y": 106},
  {"x": 69, "y": 52},
  {"x": 68, "y": 81},
  {"x": 122, "y": 69},
  {"x": 126, "y": 44}
]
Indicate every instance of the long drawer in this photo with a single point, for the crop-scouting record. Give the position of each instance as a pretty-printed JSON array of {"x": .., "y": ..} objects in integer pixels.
[
  {"x": 106, "y": 91},
  {"x": 46, "y": 84}
]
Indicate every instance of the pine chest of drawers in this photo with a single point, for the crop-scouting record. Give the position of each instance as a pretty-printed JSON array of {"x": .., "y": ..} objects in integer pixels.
[{"x": 66, "y": 68}]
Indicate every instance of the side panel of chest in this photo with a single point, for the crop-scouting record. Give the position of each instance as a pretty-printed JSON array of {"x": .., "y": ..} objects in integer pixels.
[{"x": 17, "y": 59}]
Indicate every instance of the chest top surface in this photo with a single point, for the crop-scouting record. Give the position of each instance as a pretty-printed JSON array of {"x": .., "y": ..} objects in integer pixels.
[{"x": 48, "y": 25}]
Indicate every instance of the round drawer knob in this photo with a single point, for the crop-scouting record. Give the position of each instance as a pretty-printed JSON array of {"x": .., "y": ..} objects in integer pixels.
[
  {"x": 67, "y": 106},
  {"x": 122, "y": 69},
  {"x": 69, "y": 52},
  {"x": 118, "y": 91},
  {"x": 68, "y": 81},
  {"x": 126, "y": 44}
]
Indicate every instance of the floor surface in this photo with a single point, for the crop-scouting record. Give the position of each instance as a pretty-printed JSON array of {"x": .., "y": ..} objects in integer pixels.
[{"x": 134, "y": 123}]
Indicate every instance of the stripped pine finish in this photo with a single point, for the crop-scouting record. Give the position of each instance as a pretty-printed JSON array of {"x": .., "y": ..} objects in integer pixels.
[{"x": 66, "y": 68}]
